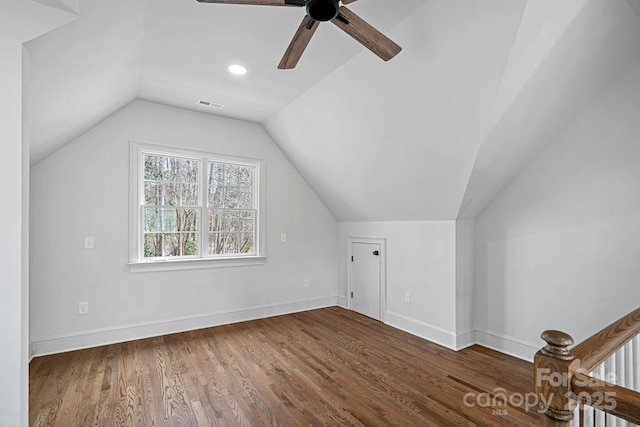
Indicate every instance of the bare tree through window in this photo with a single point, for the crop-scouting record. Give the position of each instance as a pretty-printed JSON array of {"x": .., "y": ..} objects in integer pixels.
[{"x": 183, "y": 218}]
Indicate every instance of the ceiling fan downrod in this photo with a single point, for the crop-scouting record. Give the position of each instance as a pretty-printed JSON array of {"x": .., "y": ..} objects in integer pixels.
[{"x": 323, "y": 10}]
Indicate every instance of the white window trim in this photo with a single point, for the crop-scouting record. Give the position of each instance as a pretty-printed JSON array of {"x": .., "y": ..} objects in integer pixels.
[{"x": 137, "y": 264}]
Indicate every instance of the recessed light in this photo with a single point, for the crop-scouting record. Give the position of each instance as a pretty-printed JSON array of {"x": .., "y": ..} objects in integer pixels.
[{"x": 237, "y": 69}]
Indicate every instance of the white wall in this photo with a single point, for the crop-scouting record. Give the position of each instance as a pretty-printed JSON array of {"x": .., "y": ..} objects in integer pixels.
[
  {"x": 12, "y": 329},
  {"x": 559, "y": 247},
  {"x": 465, "y": 260},
  {"x": 421, "y": 260},
  {"x": 19, "y": 21},
  {"x": 82, "y": 190}
]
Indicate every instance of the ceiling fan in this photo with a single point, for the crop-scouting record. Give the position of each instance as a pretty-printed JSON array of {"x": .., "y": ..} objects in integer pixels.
[{"x": 322, "y": 11}]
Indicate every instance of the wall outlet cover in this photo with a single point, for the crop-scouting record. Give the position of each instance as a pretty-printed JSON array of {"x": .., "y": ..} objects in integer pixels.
[
  {"x": 88, "y": 242},
  {"x": 83, "y": 307}
]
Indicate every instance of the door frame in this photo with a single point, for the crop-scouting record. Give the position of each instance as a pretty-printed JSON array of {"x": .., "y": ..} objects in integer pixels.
[{"x": 382, "y": 241}]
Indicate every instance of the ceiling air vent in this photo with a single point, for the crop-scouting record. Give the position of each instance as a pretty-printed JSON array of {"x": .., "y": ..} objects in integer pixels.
[{"x": 210, "y": 104}]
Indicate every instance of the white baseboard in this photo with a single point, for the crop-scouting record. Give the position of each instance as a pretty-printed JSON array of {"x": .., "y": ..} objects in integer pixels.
[
  {"x": 495, "y": 341},
  {"x": 42, "y": 346},
  {"x": 465, "y": 339},
  {"x": 507, "y": 345},
  {"x": 423, "y": 330},
  {"x": 343, "y": 302},
  {"x": 94, "y": 338}
]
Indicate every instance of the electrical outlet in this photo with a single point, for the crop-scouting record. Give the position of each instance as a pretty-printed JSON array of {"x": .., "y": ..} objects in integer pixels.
[
  {"x": 407, "y": 298},
  {"x": 283, "y": 238},
  {"x": 307, "y": 283},
  {"x": 88, "y": 242},
  {"x": 83, "y": 307}
]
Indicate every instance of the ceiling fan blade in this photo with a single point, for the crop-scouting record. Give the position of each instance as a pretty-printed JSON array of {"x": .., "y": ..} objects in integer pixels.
[
  {"x": 301, "y": 39},
  {"x": 367, "y": 35},
  {"x": 259, "y": 2}
]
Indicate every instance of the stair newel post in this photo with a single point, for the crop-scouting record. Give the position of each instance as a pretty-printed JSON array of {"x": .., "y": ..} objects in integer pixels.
[{"x": 554, "y": 367}]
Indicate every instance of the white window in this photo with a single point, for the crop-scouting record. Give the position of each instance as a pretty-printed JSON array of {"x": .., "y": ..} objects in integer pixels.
[{"x": 194, "y": 206}]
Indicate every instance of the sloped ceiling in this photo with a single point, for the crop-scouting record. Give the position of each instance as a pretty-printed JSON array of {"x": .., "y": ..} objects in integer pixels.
[
  {"x": 479, "y": 88},
  {"x": 189, "y": 45},
  {"x": 176, "y": 52},
  {"x": 566, "y": 64},
  {"x": 25, "y": 20},
  {"x": 398, "y": 141},
  {"x": 70, "y": 6},
  {"x": 83, "y": 72}
]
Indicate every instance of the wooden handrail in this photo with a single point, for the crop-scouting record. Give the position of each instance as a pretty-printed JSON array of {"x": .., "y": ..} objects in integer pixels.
[
  {"x": 561, "y": 374},
  {"x": 596, "y": 349},
  {"x": 612, "y": 399}
]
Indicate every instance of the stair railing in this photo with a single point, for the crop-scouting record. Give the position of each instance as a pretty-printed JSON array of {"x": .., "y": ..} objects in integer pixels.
[{"x": 562, "y": 377}]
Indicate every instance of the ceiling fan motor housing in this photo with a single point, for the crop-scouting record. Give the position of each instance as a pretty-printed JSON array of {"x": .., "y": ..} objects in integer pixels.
[{"x": 323, "y": 10}]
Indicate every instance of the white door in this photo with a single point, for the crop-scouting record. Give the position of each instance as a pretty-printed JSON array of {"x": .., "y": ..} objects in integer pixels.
[{"x": 365, "y": 279}]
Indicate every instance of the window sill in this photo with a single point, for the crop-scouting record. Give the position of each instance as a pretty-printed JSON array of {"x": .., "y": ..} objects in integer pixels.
[{"x": 194, "y": 264}]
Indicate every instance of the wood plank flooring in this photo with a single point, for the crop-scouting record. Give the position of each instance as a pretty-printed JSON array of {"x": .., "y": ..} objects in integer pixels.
[{"x": 328, "y": 367}]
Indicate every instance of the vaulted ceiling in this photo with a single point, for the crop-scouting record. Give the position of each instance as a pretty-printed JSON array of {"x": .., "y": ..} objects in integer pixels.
[{"x": 480, "y": 87}]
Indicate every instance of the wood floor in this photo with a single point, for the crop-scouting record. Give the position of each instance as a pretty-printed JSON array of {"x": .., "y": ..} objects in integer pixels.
[{"x": 329, "y": 367}]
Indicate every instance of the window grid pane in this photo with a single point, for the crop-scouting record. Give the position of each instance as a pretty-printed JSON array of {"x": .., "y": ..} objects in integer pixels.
[
  {"x": 159, "y": 219},
  {"x": 231, "y": 186},
  {"x": 231, "y": 231},
  {"x": 170, "y": 244},
  {"x": 170, "y": 232},
  {"x": 171, "y": 181}
]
